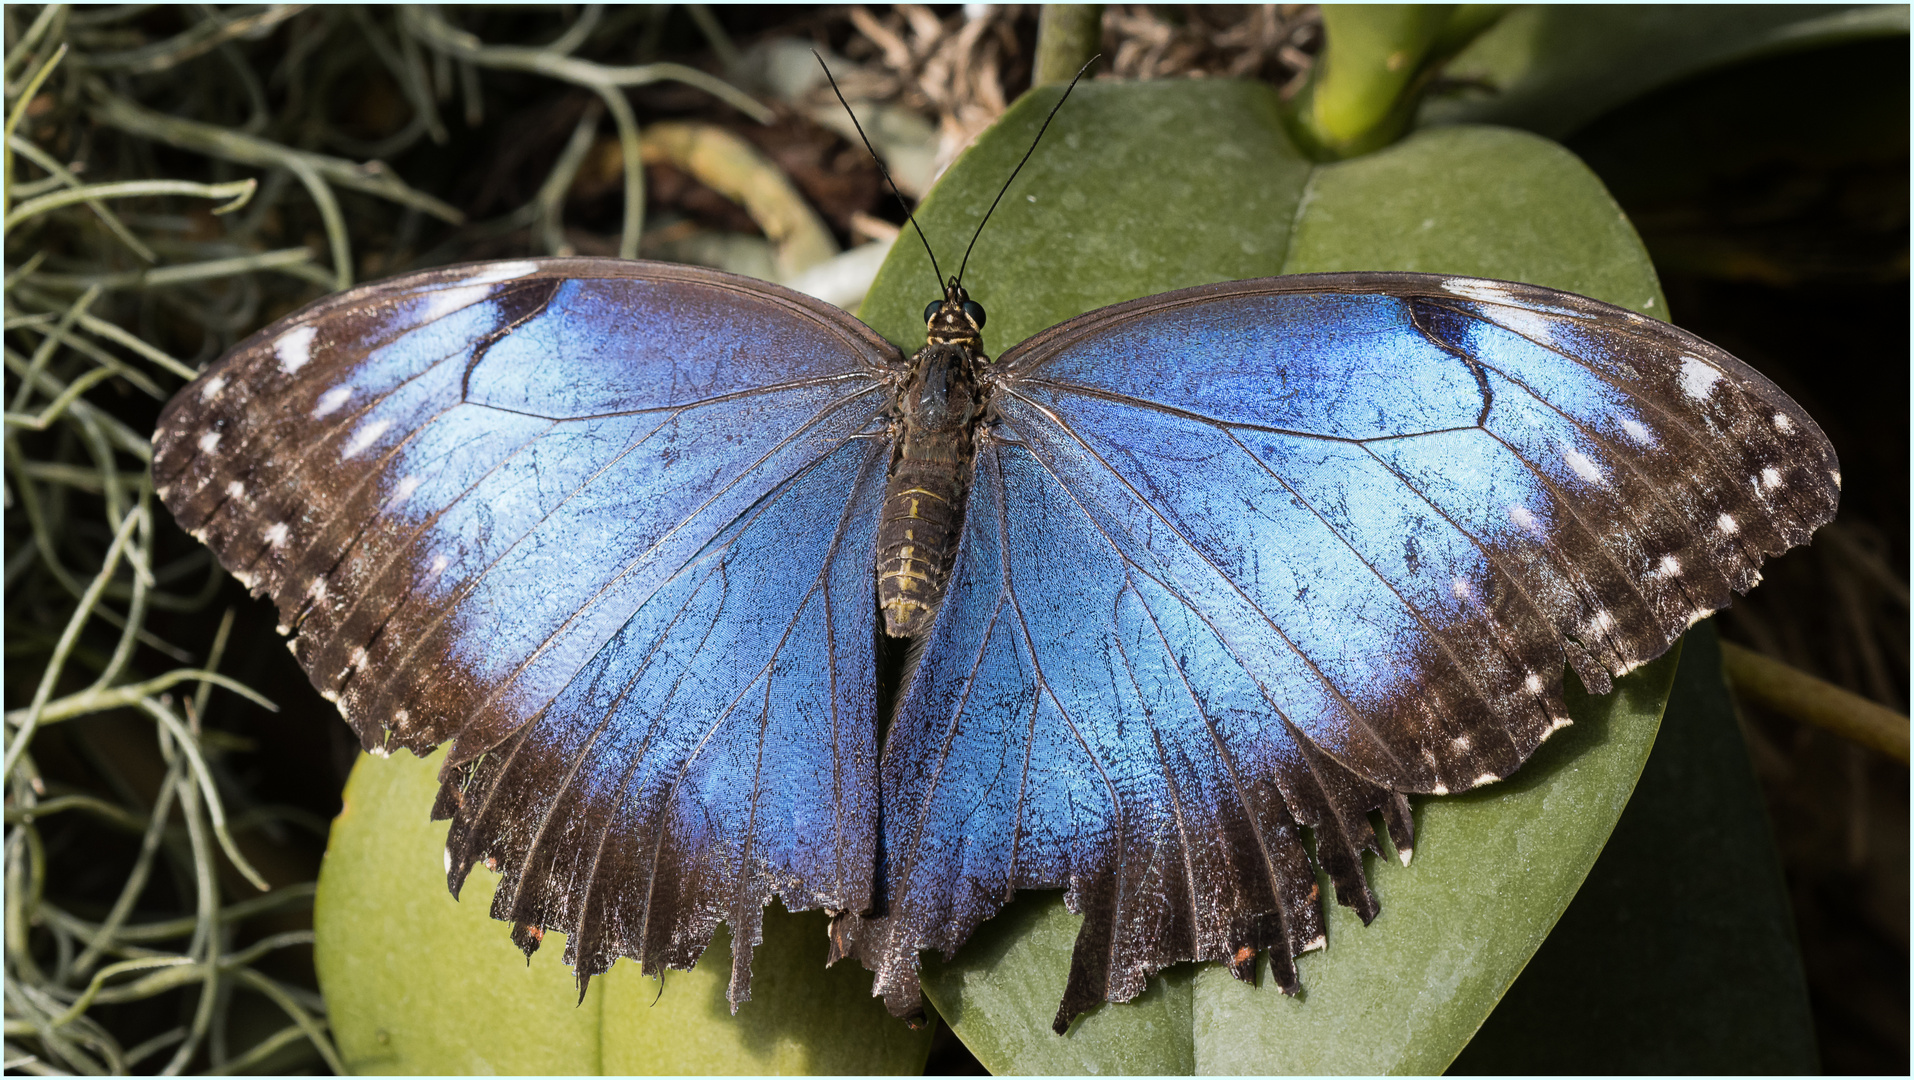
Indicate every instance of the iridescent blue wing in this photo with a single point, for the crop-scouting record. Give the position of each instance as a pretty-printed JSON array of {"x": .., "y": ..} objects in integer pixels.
[
  {"x": 608, "y": 526},
  {"x": 1266, "y": 555}
]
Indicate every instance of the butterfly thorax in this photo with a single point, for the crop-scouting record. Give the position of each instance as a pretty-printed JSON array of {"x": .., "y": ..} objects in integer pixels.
[{"x": 937, "y": 407}]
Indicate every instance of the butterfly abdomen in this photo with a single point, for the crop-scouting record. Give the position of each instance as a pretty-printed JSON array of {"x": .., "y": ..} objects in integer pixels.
[
  {"x": 921, "y": 512},
  {"x": 924, "y": 495}
]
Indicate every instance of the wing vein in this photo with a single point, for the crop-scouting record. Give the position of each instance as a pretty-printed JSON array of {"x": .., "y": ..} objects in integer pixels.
[
  {"x": 1699, "y": 442},
  {"x": 1355, "y": 716},
  {"x": 472, "y": 582},
  {"x": 1408, "y": 605},
  {"x": 1230, "y": 766},
  {"x": 764, "y": 672}
]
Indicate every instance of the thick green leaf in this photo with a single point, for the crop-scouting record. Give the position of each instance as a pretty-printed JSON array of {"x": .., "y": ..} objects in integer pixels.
[
  {"x": 1494, "y": 869},
  {"x": 1553, "y": 68},
  {"x": 1678, "y": 955},
  {"x": 1141, "y": 188},
  {"x": 1189, "y": 183},
  {"x": 417, "y": 983},
  {"x": 1488, "y": 202}
]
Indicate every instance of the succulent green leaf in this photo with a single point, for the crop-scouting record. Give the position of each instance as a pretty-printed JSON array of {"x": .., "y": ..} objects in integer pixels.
[
  {"x": 1678, "y": 955},
  {"x": 419, "y": 983},
  {"x": 1142, "y": 188}
]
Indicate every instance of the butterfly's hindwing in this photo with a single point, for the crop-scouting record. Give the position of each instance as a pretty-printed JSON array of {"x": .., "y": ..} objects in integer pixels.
[
  {"x": 719, "y": 749},
  {"x": 1095, "y": 731}
]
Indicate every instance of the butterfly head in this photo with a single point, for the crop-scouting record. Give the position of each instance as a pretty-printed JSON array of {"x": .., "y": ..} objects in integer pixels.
[{"x": 955, "y": 320}]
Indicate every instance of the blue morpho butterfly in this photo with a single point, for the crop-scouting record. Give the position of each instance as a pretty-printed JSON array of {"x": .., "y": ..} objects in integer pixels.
[{"x": 1180, "y": 577}]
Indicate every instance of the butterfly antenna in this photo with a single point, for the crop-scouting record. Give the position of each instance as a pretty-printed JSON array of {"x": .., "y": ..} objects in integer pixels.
[
  {"x": 1020, "y": 164},
  {"x": 912, "y": 218}
]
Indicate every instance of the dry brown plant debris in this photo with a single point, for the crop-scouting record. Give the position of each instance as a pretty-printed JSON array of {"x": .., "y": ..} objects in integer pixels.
[{"x": 966, "y": 67}]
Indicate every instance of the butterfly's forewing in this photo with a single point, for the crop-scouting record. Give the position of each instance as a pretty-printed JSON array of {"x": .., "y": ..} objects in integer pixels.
[
  {"x": 609, "y": 526},
  {"x": 1272, "y": 553}
]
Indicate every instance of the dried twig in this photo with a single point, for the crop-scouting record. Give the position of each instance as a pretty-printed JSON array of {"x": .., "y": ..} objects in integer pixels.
[{"x": 1795, "y": 693}]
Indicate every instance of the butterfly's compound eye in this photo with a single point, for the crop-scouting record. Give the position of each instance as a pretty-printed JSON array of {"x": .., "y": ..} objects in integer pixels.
[
  {"x": 930, "y": 310},
  {"x": 976, "y": 312}
]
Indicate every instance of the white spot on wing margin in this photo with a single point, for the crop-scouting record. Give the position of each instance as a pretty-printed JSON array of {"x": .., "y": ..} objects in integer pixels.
[
  {"x": 365, "y": 437},
  {"x": 330, "y": 401},
  {"x": 1583, "y": 466},
  {"x": 494, "y": 273},
  {"x": 294, "y": 348},
  {"x": 1488, "y": 292},
  {"x": 1698, "y": 378},
  {"x": 403, "y": 490},
  {"x": 446, "y": 301}
]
